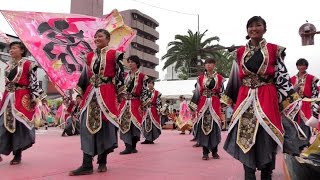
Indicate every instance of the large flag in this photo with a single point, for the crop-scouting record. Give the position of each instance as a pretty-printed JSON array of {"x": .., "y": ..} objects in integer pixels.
[
  {"x": 4, "y": 36},
  {"x": 59, "y": 42}
]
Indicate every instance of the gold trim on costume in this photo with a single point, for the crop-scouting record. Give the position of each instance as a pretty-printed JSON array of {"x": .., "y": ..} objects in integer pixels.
[
  {"x": 79, "y": 90},
  {"x": 207, "y": 122},
  {"x": 94, "y": 118},
  {"x": 105, "y": 108},
  {"x": 148, "y": 123},
  {"x": 247, "y": 130},
  {"x": 9, "y": 121},
  {"x": 289, "y": 100},
  {"x": 125, "y": 120}
]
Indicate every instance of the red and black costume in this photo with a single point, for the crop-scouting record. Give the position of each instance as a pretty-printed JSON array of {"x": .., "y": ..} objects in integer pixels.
[
  {"x": 72, "y": 126},
  {"x": 306, "y": 87},
  {"x": 98, "y": 85},
  {"x": 206, "y": 102},
  {"x": 66, "y": 111},
  {"x": 17, "y": 112},
  {"x": 264, "y": 93},
  {"x": 151, "y": 126},
  {"x": 131, "y": 108}
]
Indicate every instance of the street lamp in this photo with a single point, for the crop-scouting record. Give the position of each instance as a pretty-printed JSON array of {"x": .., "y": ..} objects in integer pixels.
[
  {"x": 199, "y": 64},
  {"x": 307, "y": 32}
]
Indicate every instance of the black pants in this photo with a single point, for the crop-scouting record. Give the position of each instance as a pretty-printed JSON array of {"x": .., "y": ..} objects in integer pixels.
[
  {"x": 266, "y": 172},
  {"x": 87, "y": 160},
  {"x": 102, "y": 158},
  {"x": 206, "y": 151},
  {"x": 17, "y": 154}
]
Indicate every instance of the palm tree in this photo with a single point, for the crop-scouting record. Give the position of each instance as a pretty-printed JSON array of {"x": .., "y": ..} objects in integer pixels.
[
  {"x": 224, "y": 60},
  {"x": 185, "y": 49}
]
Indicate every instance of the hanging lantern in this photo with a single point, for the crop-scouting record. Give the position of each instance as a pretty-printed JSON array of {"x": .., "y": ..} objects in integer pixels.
[{"x": 307, "y": 32}]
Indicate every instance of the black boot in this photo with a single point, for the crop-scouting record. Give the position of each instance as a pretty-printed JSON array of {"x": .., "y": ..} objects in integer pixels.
[
  {"x": 215, "y": 154},
  {"x": 128, "y": 149},
  {"x": 147, "y": 142},
  {"x": 266, "y": 173},
  {"x": 102, "y": 161},
  {"x": 134, "y": 144},
  {"x": 86, "y": 167},
  {"x": 17, "y": 157},
  {"x": 205, "y": 152},
  {"x": 249, "y": 173},
  {"x": 63, "y": 133}
]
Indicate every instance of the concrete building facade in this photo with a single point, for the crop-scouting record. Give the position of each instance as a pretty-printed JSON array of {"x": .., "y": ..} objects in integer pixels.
[
  {"x": 171, "y": 73},
  {"x": 87, "y": 7},
  {"x": 144, "y": 44}
]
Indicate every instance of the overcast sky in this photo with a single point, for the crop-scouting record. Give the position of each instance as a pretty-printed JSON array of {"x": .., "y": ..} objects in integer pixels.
[{"x": 226, "y": 19}]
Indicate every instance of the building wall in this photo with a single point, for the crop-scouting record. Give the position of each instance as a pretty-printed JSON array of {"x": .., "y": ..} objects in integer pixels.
[
  {"x": 171, "y": 74},
  {"x": 144, "y": 44},
  {"x": 87, "y": 7}
]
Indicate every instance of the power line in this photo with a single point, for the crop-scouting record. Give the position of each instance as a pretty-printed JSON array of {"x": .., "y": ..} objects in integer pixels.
[{"x": 165, "y": 8}]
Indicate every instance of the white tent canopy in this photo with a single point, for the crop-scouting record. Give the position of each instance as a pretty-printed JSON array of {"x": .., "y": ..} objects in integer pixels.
[{"x": 173, "y": 89}]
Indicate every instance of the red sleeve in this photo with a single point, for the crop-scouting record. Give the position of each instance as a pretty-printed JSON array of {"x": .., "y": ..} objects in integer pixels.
[
  {"x": 240, "y": 52},
  {"x": 89, "y": 58}
]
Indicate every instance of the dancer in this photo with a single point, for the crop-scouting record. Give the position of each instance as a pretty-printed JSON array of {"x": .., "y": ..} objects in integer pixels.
[
  {"x": 99, "y": 113},
  {"x": 22, "y": 90},
  {"x": 72, "y": 121},
  {"x": 151, "y": 127},
  {"x": 184, "y": 121},
  {"x": 130, "y": 107},
  {"x": 305, "y": 85},
  {"x": 165, "y": 112},
  {"x": 206, "y": 102},
  {"x": 264, "y": 92}
]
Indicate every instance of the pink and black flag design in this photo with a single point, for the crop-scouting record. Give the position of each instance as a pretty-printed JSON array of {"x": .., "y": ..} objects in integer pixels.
[
  {"x": 59, "y": 42},
  {"x": 4, "y": 36}
]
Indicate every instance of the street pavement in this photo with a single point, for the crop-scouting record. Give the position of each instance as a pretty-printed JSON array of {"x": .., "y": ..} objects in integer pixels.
[{"x": 172, "y": 157}]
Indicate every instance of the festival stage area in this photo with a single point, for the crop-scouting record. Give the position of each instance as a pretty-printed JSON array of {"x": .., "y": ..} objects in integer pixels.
[{"x": 172, "y": 157}]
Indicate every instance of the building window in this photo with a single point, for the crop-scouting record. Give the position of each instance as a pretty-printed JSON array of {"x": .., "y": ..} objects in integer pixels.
[{"x": 135, "y": 16}]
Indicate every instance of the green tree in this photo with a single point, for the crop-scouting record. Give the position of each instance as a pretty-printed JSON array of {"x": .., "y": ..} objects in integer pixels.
[
  {"x": 184, "y": 51},
  {"x": 224, "y": 61},
  {"x": 185, "y": 48}
]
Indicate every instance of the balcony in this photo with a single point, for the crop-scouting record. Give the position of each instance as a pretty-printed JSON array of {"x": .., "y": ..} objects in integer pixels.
[
  {"x": 147, "y": 43},
  {"x": 144, "y": 56},
  {"x": 150, "y": 72},
  {"x": 145, "y": 28}
]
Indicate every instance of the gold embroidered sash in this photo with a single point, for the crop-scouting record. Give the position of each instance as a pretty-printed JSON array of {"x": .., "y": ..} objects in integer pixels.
[
  {"x": 125, "y": 121},
  {"x": 207, "y": 122},
  {"x": 148, "y": 124},
  {"x": 9, "y": 120},
  {"x": 247, "y": 130},
  {"x": 94, "y": 119}
]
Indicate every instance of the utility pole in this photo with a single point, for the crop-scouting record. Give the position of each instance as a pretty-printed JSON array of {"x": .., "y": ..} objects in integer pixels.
[
  {"x": 198, "y": 22},
  {"x": 198, "y": 47}
]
